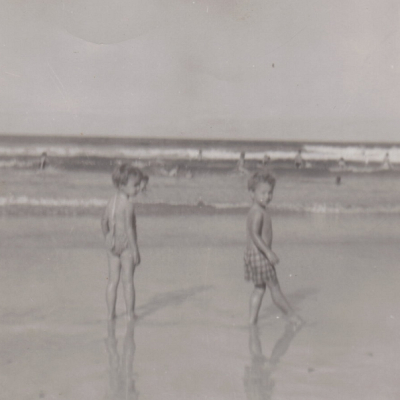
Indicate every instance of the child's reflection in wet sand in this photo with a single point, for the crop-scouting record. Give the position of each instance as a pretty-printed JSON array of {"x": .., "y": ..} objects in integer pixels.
[
  {"x": 258, "y": 380},
  {"x": 122, "y": 383}
]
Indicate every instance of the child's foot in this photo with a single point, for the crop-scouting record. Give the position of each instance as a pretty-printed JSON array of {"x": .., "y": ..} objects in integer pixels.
[{"x": 296, "y": 322}]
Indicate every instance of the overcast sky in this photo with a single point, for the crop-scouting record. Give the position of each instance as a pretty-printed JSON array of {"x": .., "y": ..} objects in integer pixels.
[{"x": 288, "y": 69}]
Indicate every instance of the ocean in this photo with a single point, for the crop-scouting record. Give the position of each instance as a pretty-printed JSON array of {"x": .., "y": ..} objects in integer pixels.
[
  {"x": 337, "y": 241},
  {"x": 197, "y": 175},
  {"x": 183, "y": 149}
]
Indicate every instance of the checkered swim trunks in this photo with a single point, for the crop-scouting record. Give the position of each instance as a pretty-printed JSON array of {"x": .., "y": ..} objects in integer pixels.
[{"x": 257, "y": 268}]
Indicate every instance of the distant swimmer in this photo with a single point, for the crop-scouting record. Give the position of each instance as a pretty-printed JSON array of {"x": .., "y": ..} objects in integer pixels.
[
  {"x": 338, "y": 180},
  {"x": 386, "y": 164},
  {"x": 200, "y": 155},
  {"x": 342, "y": 163},
  {"x": 43, "y": 161},
  {"x": 173, "y": 172},
  {"x": 143, "y": 183},
  {"x": 265, "y": 162},
  {"x": 240, "y": 164},
  {"x": 241, "y": 159},
  {"x": 298, "y": 160},
  {"x": 266, "y": 159}
]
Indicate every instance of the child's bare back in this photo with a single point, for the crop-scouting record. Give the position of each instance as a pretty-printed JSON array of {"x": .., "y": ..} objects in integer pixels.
[
  {"x": 119, "y": 229},
  {"x": 117, "y": 216}
]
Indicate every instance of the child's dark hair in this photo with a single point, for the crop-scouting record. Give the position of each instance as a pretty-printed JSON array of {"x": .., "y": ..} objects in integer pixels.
[
  {"x": 123, "y": 171},
  {"x": 260, "y": 177}
]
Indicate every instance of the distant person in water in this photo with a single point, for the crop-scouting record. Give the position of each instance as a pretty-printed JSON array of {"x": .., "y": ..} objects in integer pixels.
[
  {"x": 386, "y": 164},
  {"x": 259, "y": 259},
  {"x": 143, "y": 183},
  {"x": 119, "y": 229},
  {"x": 43, "y": 161},
  {"x": 200, "y": 155},
  {"x": 298, "y": 160},
  {"x": 241, "y": 159},
  {"x": 342, "y": 163},
  {"x": 266, "y": 160},
  {"x": 240, "y": 164}
]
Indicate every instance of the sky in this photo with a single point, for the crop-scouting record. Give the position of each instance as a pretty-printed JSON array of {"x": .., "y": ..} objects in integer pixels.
[{"x": 235, "y": 69}]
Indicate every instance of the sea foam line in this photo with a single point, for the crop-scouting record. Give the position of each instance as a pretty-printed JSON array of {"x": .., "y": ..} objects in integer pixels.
[
  {"x": 315, "y": 208},
  {"x": 309, "y": 153},
  {"x": 51, "y": 202}
]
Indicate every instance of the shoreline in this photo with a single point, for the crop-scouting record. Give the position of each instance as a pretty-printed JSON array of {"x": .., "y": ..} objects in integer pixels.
[
  {"x": 141, "y": 209},
  {"x": 341, "y": 275},
  {"x": 165, "y": 209}
]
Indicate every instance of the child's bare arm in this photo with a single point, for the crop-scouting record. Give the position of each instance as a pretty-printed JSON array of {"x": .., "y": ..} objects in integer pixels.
[
  {"x": 255, "y": 226},
  {"x": 130, "y": 221},
  {"x": 104, "y": 223}
]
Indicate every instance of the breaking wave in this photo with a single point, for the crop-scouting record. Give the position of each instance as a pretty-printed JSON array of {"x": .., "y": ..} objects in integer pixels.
[{"x": 320, "y": 152}]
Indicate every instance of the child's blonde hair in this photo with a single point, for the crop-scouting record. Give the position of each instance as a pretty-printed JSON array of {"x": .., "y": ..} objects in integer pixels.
[
  {"x": 260, "y": 177},
  {"x": 122, "y": 172}
]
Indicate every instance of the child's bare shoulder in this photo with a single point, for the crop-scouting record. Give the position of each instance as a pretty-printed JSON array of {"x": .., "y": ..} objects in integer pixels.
[
  {"x": 258, "y": 213},
  {"x": 254, "y": 213}
]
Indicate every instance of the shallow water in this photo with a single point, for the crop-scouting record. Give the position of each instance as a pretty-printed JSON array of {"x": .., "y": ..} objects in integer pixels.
[
  {"x": 56, "y": 191},
  {"x": 191, "y": 340}
]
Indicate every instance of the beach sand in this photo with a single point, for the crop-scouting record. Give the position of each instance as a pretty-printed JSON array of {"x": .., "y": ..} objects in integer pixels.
[{"x": 191, "y": 340}]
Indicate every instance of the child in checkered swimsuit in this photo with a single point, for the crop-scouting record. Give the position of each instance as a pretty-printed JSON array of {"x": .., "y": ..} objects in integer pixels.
[{"x": 259, "y": 259}]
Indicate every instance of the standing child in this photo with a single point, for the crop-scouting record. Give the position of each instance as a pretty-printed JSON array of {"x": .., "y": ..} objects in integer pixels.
[
  {"x": 119, "y": 229},
  {"x": 259, "y": 258}
]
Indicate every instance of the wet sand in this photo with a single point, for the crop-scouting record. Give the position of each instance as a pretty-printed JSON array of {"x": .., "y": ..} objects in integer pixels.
[{"x": 191, "y": 340}]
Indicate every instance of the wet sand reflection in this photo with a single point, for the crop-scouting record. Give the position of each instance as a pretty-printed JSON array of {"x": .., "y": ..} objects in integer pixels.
[
  {"x": 121, "y": 380},
  {"x": 258, "y": 382}
]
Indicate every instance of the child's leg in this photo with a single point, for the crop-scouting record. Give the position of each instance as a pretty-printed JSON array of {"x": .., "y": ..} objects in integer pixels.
[
  {"x": 114, "y": 268},
  {"x": 279, "y": 299},
  {"x": 128, "y": 269},
  {"x": 255, "y": 342},
  {"x": 255, "y": 302}
]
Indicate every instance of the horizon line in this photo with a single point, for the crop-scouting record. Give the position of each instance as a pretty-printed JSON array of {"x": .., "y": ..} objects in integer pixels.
[{"x": 44, "y": 136}]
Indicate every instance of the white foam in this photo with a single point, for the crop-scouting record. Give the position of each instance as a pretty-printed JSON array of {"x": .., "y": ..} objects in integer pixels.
[
  {"x": 310, "y": 152},
  {"x": 51, "y": 202},
  {"x": 351, "y": 153}
]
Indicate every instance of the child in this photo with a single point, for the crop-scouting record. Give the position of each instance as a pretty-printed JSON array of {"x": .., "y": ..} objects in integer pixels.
[
  {"x": 259, "y": 258},
  {"x": 119, "y": 229},
  {"x": 43, "y": 161}
]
